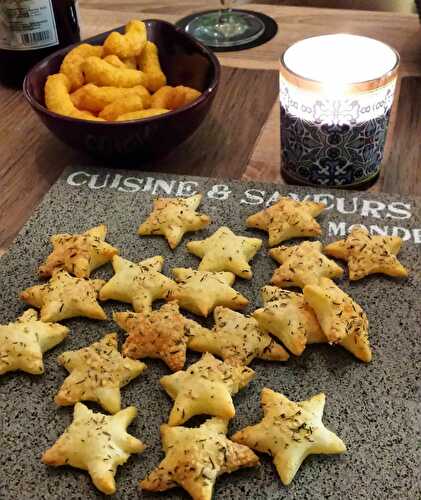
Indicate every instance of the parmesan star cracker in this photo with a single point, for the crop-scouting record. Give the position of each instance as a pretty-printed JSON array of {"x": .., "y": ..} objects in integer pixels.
[
  {"x": 368, "y": 254},
  {"x": 200, "y": 292},
  {"x": 97, "y": 373},
  {"x": 225, "y": 251},
  {"x": 65, "y": 297},
  {"x": 97, "y": 443},
  {"x": 302, "y": 264},
  {"x": 237, "y": 339},
  {"x": 173, "y": 217},
  {"x": 79, "y": 254},
  {"x": 289, "y": 432},
  {"x": 194, "y": 458},
  {"x": 342, "y": 320},
  {"x": 161, "y": 334},
  {"x": 205, "y": 387},
  {"x": 288, "y": 219},
  {"x": 288, "y": 317},
  {"x": 137, "y": 284},
  {"x": 23, "y": 343}
]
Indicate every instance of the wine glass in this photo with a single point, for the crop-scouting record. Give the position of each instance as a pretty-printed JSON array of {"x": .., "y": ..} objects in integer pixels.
[{"x": 225, "y": 27}]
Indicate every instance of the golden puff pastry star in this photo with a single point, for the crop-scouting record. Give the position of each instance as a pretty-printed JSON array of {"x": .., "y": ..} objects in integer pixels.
[
  {"x": 200, "y": 292},
  {"x": 161, "y": 334},
  {"x": 287, "y": 219},
  {"x": 290, "y": 432},
  {"x": 288, "y": 317},
  {"x": 237, "y": 339},
  {"x": 66, "y": 297},
  {"x": 173, "y": 217},
  {"x": 23, "y": 343},
  {"x": 205, "y": 387},
  {"x": 97, "y": 373},
  {"x": 302, "y": 264},
  {"x": 137, "y": 284},
  {"x": 79, "y": 254},
  {"x": 342, "y": 320},
  {"x": 368, "y": 254},
  {"x": 225, "y": 251},
  {"x": 96, "y": 443},
  {"x": 194, "y": 458}
]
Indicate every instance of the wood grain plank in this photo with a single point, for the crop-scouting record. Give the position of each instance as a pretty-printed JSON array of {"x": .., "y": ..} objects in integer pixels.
[{"x": 402, "y": 170}]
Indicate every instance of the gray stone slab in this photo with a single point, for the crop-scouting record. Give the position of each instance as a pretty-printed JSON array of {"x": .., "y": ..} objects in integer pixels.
[{"x": 374, "y": 408}]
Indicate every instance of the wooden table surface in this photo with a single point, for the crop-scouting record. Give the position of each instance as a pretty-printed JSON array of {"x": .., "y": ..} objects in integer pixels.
[{"x": 32, "y": 159}]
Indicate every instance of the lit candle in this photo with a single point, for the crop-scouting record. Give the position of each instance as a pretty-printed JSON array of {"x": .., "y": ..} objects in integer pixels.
[{"x": 336, "y": 92}]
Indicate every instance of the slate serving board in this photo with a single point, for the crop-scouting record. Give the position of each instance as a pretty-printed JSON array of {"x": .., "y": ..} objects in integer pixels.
[{"x": 374, "y": 408}]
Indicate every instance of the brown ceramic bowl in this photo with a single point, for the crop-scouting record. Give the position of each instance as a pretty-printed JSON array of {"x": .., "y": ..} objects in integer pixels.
[{"x": 185, "y": 62}]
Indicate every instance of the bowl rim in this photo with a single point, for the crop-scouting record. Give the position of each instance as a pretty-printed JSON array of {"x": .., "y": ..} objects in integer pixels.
[{"x": 207, "y": 92}]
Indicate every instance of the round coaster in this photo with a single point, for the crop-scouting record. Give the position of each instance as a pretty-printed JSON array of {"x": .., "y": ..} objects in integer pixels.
[{"x": 270, "y": 29}]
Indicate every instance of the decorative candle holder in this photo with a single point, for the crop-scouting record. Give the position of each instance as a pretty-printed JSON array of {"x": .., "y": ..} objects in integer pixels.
[{"x": 336, "y": 93}]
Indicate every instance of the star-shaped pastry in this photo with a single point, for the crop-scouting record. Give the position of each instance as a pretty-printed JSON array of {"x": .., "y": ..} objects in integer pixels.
[
  {"x": 225, "y": 251},
  {"x": 173, "y": 217},
  {"x": 23, "y": 343},
  {"x": 161, "y": 334},
  {"x": 205, "y": 387},
  {"x": 97, "y": 443},
  {"x": 368, "y": 254},
  {"x": 194, "y": 458},
  {"x": 302, "y": 264},
  {"x": 200, "y": 292},
  {"x": 97, "y": 373},
  {"x": 237, "y": 339},
  {"x": 137, "y": 284},
  {"x": 79, "y": 254},
  {"x": 342, "y": 320},
  {"x": 287, "y": 219},
  {"x": 65, "y": 297},
  {"x": 288, "y": 317},
  {"x": 289, "y": 432}
]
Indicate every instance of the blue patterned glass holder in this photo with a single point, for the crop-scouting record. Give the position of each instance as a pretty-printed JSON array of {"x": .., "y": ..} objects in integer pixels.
[{"x": 334, "y": 140}]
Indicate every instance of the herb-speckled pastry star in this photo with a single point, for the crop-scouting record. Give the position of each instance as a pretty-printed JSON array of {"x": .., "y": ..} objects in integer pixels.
[
  {"x": 225, "y": 251},
  {"x": 137, "y": 284},
  {"x": 65, "y": 297},
  {"x": 368, "y": 254},
  {"x": 194, "y": 458},
  {"x": 97, "y": 373},
  {"x": 287, "y": 219},
  {"x": 173, "y": 217},
  {"x": 288, "y": 317},
  {"x": 200, "y": 292},
  {"x": 237, "y": 339},
  {"x": 161, "y": 334},
  {"x": 302, "y": 265},
  {"x": 205, "y": 387},
  {"x": 96, "y": 443},
  {"x": 23, "y": 343},
  {"x": 342, "y": 320},
  {"x": 79, "y": 254},
  {"x": 289, "y": 432}
]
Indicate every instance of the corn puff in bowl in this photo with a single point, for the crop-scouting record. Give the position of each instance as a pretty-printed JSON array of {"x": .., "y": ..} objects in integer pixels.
[{"x": 138, "y": 92}]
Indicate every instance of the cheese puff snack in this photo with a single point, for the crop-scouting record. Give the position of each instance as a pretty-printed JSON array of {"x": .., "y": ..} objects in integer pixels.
[
  {"x": 145, "y": 113},
  {"x": 174, "y": 97},
  {"x": 122, "y": 106},
  {"x": 115, "y": 61},
  {"x": 149, "y": 63},
  {"x": 57, "y": 98},
  {"x": 102, "y": 73},
  {"x": 130, "y": 62},
  {"x": 95, "y": 99},
  {"x": 72, "y": 63},
  {"x": 128, "y": 45}
]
